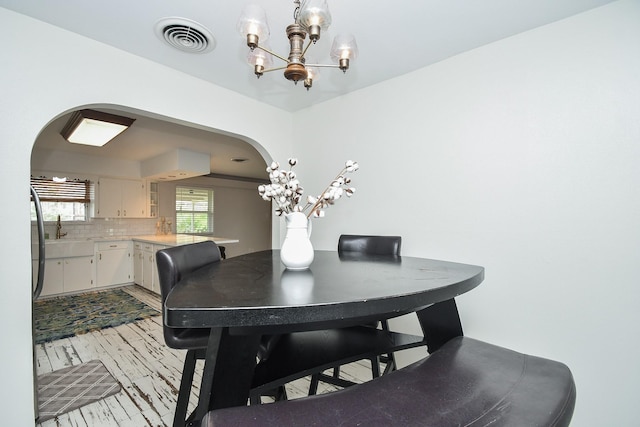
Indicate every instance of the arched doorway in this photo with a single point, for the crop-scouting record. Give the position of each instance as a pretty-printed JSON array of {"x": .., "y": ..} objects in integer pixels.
[{"x": 238, "y": 207}]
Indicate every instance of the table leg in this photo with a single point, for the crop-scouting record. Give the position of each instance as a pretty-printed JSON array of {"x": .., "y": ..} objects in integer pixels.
[
  {"x": 234, "y": 370},
  {"x": 206, "y": 385},
  {"x": 440, "y": 322},
  {"x": 228, "y": 370}
]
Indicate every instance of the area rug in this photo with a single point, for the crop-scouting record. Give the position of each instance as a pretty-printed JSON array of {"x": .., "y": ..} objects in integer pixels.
[
  {"x": 66, "y": 316},
  {"x": 70, "y": 388}
]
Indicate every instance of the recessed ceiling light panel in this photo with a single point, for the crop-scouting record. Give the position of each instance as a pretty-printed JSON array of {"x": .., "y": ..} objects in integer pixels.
[
  {"x": 92, "y": 127},
  {"x": 185, "y": 35}
]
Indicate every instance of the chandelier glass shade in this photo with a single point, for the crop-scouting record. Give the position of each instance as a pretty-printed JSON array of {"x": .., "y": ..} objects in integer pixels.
[{"x": 311, "y": 18}]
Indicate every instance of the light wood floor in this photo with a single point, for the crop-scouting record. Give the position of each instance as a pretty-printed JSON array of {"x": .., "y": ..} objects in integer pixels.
[{"x": 148, "y": 371}]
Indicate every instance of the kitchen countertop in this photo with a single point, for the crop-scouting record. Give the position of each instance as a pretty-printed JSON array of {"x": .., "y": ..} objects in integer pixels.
[
  {"x": 180, "y": 239},
  {"x": 61, "y": 248}
]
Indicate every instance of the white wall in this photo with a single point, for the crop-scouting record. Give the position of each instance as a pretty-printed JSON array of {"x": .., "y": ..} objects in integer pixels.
[
  {"x": 521, "y": 156},
  {"x": 39, "y": 80}
]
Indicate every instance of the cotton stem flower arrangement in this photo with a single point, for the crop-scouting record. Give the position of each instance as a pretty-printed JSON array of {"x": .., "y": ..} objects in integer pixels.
[{"x": 286, "y": 192}]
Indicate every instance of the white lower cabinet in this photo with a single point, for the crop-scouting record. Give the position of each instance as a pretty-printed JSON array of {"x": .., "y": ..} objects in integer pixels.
[
  {"x": 114, "y": 263},
  {"x": 79, "y": 274},
  {"x": 148, "y": 264},
  {"x": 137, "y": 263},
  {"x": 64, "y": 275},
  {"x": 144, "y": 265},
  {"x": 154, "y": 274},
  {"x": 53, "y": 276}
]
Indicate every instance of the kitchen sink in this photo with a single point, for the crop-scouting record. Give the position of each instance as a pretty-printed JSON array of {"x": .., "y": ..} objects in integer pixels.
[{"x": 65, "y": 248}]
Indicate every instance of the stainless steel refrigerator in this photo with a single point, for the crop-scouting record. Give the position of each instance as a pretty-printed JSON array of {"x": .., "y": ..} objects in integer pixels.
[{"x": 36, "y": 284}]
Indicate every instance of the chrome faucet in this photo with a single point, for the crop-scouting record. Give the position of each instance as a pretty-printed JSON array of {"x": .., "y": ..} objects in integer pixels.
[{"x": 59, "y": 233}]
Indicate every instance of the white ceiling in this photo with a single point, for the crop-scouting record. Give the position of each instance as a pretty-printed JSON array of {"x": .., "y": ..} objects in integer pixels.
[
  {"x": 394, "y": 38},
  {"x": 149, "y": 137}
]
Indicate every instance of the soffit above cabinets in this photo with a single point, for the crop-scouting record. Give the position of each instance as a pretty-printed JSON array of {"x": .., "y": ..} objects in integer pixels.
[{"x": 176, "y": 164}]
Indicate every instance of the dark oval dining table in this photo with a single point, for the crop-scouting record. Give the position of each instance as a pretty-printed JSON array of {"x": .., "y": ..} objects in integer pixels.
[{"x": 245, "y": 297}]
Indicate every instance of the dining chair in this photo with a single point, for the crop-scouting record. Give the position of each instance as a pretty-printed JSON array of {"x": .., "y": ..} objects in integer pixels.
[
  {"x": 369, "y": 245},
  {"x": 311, "y": 353},
  {"x": 172, "y": 264},
  {"x": 373, "y": 245}
]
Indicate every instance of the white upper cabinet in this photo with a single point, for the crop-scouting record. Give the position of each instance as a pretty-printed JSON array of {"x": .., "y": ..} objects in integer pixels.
[{"x": 120, "y": 198}]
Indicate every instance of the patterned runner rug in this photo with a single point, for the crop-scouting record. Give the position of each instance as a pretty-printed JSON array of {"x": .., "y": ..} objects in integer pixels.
[
  {"x": 70, "y": 388},
  {"x": 66, "y": 316}
]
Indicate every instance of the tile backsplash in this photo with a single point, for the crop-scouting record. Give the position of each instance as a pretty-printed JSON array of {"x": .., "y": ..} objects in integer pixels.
[{"x": 98, "y": 227}]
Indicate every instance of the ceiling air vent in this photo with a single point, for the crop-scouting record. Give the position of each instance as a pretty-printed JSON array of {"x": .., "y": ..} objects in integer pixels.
[{"x": 185, "y": 35}]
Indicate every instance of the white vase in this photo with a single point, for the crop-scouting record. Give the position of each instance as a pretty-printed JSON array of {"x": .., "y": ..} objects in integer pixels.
[{"x": 297, "y": 251}]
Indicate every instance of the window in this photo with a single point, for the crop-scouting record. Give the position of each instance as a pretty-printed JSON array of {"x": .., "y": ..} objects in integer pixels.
[
  {"x": 68, "y": 199},
  {"x": 194, "y": 210}
]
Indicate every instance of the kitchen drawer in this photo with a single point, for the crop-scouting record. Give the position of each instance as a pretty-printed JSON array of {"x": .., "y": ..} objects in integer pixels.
[
  {"x": 143, "y": 246},
  {"x": 107, "y": 246}
]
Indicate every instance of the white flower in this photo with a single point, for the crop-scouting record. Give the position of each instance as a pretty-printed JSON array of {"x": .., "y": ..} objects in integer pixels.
[
  {"x": 286, "y": 192},
  {"x": 351, "y": 166}
]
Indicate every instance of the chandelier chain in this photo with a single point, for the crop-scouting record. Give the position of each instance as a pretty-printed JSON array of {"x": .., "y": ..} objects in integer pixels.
[{"x": 296, "y": 11}]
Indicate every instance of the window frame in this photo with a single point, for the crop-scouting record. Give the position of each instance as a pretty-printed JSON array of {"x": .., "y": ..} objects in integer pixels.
[
  {"x": 74, "y": 192},
  {"x": 209, "y": 212}
]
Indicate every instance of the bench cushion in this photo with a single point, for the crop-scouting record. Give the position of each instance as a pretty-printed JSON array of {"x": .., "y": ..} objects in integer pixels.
[{"x": 466, "y": 382}]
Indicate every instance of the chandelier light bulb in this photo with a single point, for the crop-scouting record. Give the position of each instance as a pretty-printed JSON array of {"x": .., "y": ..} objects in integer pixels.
[
  {"x": 253, "y": 25},
  {"x": 314, "y": 16},
  {"x": 313, "y": 73},
  {"x": 343, "y": 50},
  {"x": 260, "y": 60}
]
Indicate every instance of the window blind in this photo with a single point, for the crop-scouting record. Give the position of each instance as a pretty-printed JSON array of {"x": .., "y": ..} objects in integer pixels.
[
  {"x": 77, "y": 191},
  {"x": 194, "y": 210},
  {"x": 194, "y": 199}
]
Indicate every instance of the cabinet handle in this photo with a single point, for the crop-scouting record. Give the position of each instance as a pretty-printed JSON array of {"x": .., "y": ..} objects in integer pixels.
[
  {"x": 100, "y": 257},
  {"x": 125, "y": 212},
  {"x": 118, "y": 212}
]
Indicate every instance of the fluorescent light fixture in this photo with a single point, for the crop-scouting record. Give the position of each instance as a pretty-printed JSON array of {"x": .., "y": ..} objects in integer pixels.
[{"x": 95, "y": 128}]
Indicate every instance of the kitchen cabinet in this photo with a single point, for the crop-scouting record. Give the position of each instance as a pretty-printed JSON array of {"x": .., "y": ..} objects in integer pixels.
[
  {"x": 53, "y": 276},
  {"x": 120, "y": 198},
  {"x": 152, "y": 199},
  {"x": 137, "y": 263},
  {"x": 114, "y": 263},
  {"x": 65, "y": 275},
  {"x": 154, "y": 272},
  {"x": 148, "y": 264},
  {"x": 145, "y": 268},
  {"x": 79, "y": 273}
]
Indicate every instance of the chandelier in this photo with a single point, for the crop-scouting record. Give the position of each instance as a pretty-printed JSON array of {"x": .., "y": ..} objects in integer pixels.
[{"x": 311, "y": 17}]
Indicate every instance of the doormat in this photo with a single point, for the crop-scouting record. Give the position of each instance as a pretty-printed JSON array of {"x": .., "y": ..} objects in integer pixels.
[
  {"x": 66, "y": 316},
  {"x": 70, "y": 388}
]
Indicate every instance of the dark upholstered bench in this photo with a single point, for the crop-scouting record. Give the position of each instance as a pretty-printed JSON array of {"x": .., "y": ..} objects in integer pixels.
[{"x": 465, "y": 383}]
